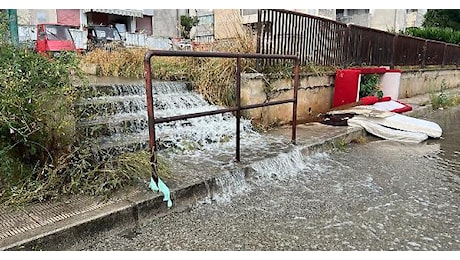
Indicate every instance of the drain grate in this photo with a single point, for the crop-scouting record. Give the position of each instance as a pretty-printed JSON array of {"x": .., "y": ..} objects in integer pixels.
[
  {"x": 13, "y": 223},
  {"x": 46, "y": 213}
]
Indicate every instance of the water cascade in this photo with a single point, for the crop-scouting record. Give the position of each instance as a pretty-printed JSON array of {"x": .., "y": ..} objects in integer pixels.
[{"x": 117, "y": 118}]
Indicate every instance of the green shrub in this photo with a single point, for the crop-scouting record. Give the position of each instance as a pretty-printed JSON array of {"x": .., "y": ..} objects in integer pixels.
[
  {"x": 36, "y": 111},
  {"x": 369, "y": 86},
  {"x": 435, "y": 33},
  {"x": 42, "y": 156},
  {"x": 186, "y": 24},
  {"x": 443, "y": 99},
  {"x": 4, "y": 32}
]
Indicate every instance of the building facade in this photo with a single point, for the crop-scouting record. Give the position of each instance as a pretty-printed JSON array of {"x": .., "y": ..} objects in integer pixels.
[
  {"x": 393, "y": 20},
  {"x": 135, "y": 25},
  {"x": 154, "y": 28}
]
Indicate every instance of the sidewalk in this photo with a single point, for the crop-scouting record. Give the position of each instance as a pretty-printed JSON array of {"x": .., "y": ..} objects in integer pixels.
[{"x": 57, "y": 225}]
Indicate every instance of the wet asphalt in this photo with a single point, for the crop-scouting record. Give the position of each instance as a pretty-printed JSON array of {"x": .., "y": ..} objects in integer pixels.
[{"x": 375, "y": 196}]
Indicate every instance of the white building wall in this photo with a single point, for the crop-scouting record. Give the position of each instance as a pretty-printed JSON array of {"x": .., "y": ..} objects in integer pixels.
[
  {"x": 415, "y": 17},
  {"x": 392, "y": 20}
]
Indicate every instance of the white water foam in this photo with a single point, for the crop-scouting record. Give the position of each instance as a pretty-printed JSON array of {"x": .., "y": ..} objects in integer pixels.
[
  {"x": 171, "y": 99},
  {"x": 229, "y": 186},
  {"x": 288, "y": 165}
]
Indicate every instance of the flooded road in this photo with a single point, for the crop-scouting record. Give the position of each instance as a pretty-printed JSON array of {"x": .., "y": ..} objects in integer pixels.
[{"x": 380, "y": 195}]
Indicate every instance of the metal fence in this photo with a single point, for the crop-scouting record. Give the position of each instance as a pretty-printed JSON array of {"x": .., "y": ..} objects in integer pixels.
[
  {"x": 312, "y": 39},
  {"x": 320, "y": 41},
  {"x": 408, "y": 51},
  {"x": 368, "y": 47}
]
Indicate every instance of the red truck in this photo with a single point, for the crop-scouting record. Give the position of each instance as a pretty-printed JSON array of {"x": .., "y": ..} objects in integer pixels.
[{"x": 53, "y": 39}]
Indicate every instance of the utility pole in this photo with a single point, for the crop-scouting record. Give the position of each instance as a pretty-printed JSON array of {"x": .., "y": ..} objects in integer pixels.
[{"x": 13, "y": 23}]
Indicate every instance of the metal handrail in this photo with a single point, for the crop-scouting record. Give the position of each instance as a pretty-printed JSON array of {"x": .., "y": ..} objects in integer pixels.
[{"x": 148, "y": 87}]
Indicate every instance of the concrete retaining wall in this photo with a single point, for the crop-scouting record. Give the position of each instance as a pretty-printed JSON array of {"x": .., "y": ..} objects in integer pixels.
[
  {"x": 316, "y": 93},
  {"x": 418, "y": 82},
  {"x": 314, "y": 96}
]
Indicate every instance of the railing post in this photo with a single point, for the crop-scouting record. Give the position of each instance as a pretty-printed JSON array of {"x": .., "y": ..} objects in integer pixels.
[
  {"x": 238, "y": 105},
  {"x": 294, "y": 103},
  {"x": 259, "y": 35},
  {"x": 425, "y": 46},
  {"x": 150, "y": 115},
  {"x": 443, "y": 62},
  {"x": 393, "y": 52},
  {"x": 346, "y": 49}
]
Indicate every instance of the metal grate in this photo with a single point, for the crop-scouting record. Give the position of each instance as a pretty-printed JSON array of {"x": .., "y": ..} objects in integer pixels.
[{"x": 19, "y": 221}]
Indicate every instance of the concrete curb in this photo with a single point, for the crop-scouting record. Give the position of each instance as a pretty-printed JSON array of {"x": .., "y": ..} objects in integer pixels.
[{"x": 142, "y": 207}]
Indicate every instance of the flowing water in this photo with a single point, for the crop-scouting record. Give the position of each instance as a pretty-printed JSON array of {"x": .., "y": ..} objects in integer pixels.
[
  {"x": 377, "y": 196},
  {"x": 118, "y": 118}
]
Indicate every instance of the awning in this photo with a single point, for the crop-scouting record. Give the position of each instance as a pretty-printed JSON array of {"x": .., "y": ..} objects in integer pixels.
[{"x": 124, "y": 12}]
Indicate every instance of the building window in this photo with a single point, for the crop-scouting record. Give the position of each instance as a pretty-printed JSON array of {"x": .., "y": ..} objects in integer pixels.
[
  {"x": 206, "y": 19},
  {"x": 351, "y": 12},
  {"x": 249, "y": 11}
]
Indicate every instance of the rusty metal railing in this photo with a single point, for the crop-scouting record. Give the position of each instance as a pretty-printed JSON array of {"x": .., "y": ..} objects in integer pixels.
[{"x": 238, "y": 56}]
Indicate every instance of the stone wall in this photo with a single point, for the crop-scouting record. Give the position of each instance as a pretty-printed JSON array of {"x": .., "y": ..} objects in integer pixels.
[{"x": 316, "y": 93}]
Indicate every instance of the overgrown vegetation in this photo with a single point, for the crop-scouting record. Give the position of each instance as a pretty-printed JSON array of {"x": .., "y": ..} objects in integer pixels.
[
  {"x": 215, "y": 78},
  {"x": 369, "y": 86},
  {"x": 4, "y": 33},
  {"x": 41, "y": 154},
  {"x": 442, "y": 99},
  {"x": 37, "y": 123}
]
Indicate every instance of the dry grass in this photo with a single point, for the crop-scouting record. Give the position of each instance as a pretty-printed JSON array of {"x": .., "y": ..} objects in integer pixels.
[
  {"x": 80, "y": 174},
  {"x": 443, "y": 99},
  {"x": 214, "y": 78},
  {"x": 119, "y": 63},
  {"x": 360, "y": 140},
  {"x": 129, "y": 63}
]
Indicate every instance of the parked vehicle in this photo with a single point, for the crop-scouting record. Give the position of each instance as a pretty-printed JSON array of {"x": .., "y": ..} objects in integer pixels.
[
  {"x": 179, "y": 44},
  {"x": 104, "y": 36},
  {"x": 53, "y": 39}
]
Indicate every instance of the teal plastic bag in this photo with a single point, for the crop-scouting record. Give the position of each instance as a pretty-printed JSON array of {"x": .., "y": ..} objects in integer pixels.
[
  {"x": 163, "y": 189},
  {"x": 153, "y": 186}
]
